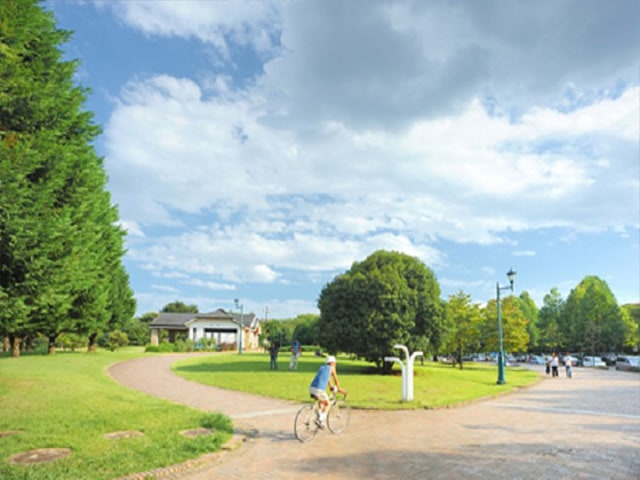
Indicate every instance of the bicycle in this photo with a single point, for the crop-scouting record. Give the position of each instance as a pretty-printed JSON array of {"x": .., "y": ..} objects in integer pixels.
[{"x": 306, "y": 425}]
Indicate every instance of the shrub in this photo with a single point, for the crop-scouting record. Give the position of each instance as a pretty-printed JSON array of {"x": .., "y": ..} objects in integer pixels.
[
  {"x": 166, "y": 347},
  {"x": 185, "y": 345},
  {"x": 113, "y": 340},
  {"x": 71, "y": 341},
  {"x": 152, "y": 348}
]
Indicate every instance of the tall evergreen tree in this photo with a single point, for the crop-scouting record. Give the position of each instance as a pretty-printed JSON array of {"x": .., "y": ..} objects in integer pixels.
[{"x": 59, "y": 244}]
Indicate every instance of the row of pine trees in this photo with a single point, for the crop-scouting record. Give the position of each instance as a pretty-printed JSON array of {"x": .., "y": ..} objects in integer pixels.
[{"x": 61, "y": 247}]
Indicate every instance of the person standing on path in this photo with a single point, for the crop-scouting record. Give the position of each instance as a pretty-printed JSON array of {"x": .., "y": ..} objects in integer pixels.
[
  {"x": 296, "y": 351},
  {"x": 554, "y": 364},
  {"x": 318, "y": 387},
  {"x": 568, "y": 362},
  {"x": 273, "y": 354}
]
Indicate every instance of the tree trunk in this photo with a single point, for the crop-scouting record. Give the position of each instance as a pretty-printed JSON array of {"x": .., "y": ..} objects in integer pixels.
[
  {"x": 52, "y": 345},
  {"x": 460, "y": 358},
  {"x": 92, "y": 343},
  {"x": 15, "y": 347},
  {"x": 5, "y": 344}
]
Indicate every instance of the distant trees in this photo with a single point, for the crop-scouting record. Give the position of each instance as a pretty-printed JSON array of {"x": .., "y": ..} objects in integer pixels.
[
  {"x": 392, "y": 298},
  {"x": 464, "y": 321},
  {"x": 60, "y": 246},
  {"x": 179, "y": 307}
]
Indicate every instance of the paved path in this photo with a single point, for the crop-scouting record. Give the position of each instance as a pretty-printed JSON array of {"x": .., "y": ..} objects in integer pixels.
[{"x": 584, "y": 428}]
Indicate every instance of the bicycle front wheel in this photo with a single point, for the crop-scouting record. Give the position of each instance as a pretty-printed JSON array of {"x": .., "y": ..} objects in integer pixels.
[
  {"x": 339, "y": 416},
  {"x": 305, "y": 426}
]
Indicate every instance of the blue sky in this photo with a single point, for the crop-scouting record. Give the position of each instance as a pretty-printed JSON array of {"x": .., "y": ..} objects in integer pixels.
[{"x": 257, "y": 149}]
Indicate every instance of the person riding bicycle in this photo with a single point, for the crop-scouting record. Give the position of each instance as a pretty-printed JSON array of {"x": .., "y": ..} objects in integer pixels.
[{"x": 318, "y": 388}]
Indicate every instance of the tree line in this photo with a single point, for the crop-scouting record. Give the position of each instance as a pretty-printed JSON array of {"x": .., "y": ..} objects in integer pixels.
[
  {"x": 392, "y": 298},
  {"x": 61, "y": 248}
]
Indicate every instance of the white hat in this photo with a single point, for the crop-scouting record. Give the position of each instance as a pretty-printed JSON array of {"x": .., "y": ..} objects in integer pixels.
[{"x": 330, "y": 359}]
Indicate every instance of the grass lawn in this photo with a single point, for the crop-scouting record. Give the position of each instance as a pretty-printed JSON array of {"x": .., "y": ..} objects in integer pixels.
[
  {"x": 68, "y": 401},
  {"x": 435, "y": 385}
]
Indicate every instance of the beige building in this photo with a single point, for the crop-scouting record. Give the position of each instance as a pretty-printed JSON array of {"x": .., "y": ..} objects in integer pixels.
[{"x": 224, "y": 327}]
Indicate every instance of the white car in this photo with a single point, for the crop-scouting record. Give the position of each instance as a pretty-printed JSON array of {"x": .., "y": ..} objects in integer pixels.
[
  {"x": 629, "y": 363},
  {"x": 593, "y": 362}
]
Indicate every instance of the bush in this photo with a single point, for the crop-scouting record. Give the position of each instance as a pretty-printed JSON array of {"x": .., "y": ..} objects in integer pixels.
[
  {"x": 207, "y": 344},
  {"x": 151, "y": 348},
  {"x": 185, "y": 345},
  {"x": 71, "y": 341},
  {"x": 113, "y": 340},
  {"x": 166, "y": 347}
]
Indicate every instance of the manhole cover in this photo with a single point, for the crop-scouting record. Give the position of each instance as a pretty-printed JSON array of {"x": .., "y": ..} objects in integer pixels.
[
  {"x": 123, "y": 434},
  {"x": 41, "y": 455},
  {"x": 196, "y": 432}
]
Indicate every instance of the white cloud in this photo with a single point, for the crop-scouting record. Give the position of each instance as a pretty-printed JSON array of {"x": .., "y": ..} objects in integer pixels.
[{"x": 372, "y": 125}]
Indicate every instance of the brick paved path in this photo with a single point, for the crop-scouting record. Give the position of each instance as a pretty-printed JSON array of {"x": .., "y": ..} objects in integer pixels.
[{"x": 584, "y": 428}]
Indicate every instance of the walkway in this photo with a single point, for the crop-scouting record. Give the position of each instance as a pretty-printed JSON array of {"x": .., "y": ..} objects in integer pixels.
[{"x": 584, "y": 428}]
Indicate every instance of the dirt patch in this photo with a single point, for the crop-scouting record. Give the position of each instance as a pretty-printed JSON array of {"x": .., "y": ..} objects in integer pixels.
[
  {"x": 8, "y": 433},
  {"x": 123, "y": 434},
  {"x": 41, "y": 455},
  {"x": 196, "y": 432}
]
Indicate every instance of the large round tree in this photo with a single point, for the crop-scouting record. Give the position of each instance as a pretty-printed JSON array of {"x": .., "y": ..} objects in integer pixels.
[{"x": 388, "y": 298}]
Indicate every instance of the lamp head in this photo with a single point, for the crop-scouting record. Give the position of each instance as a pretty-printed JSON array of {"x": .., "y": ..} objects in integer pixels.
[{"x": 511, "y": 275}]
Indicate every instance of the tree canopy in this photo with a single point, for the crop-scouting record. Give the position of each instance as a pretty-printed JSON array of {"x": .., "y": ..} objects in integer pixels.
[
  {"x": 179, "y": 307},
  {"x": 388, "y": 298},
  {"x": 60, "y": 246}
]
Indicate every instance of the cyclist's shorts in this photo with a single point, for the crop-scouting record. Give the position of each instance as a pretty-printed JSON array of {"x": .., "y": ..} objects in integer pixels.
[{"x": 318, "y": 393}]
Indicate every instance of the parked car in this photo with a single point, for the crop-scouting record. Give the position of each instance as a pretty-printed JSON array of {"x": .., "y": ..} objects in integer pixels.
[
  {"x": 609, "y": 358},
  {"x": 575, "y": 361},
  {"x": 537, "y": 360},
  {"x": 628, "y": 363},
  {"x": 593, "y": 362}
]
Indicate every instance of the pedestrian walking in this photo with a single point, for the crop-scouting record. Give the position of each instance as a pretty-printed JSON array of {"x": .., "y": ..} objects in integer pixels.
[
  {"x": 273, "y": 354},
  {"x": 547, "y": 365},
  {"x": 555, "y": 362},
  {"x": 296, "y": 351},
  {"x": 568, "y": 363}
]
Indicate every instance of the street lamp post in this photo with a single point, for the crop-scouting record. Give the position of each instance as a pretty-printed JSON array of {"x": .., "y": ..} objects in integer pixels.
[
  {"x": 511, "y": 275},
  {"x": 241, "y": 307}
]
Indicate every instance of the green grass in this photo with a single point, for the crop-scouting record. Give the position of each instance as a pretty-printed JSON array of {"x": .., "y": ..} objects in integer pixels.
[
  {"x": 68, "y": 401},
  {"x": 435, "y": 385}
]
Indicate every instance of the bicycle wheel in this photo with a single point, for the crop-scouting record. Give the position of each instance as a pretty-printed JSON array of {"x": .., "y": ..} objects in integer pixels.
[
  {"x": 305, "y": 426},
  {"x": 339, "y": 415}
]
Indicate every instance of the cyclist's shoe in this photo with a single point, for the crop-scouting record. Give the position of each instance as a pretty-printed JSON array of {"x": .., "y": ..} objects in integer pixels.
[{"x": 320, "y": 424}]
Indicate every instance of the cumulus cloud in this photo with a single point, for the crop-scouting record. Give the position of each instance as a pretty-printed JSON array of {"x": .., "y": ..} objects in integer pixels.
[{"x": 395, "y": 125}]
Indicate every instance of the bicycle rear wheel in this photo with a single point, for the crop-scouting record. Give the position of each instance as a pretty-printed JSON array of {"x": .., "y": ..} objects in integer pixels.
[
  {"x": 339, "y": 416},
  {"x": 305, "y": 426}
]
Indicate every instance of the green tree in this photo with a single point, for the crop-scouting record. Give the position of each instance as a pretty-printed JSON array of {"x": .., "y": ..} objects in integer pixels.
[
  {"x": 58, "y": 239},
  {"x": 386, "y": 299},
  {"x": 530, "y": 312},
  {"x": 306, "y": 329},
  {"x": 592, "y": 320},
  {"x": 515, "y": 336},
  {"x": 463, "y": 325},
  {"x": 551, "y": 337},
  {"x": 179, "y": 307},
  {"x": 631, "y": 318}
]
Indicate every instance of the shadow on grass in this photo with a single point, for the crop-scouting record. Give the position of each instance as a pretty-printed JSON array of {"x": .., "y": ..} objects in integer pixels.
[{"x": 262, "y": 365}]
